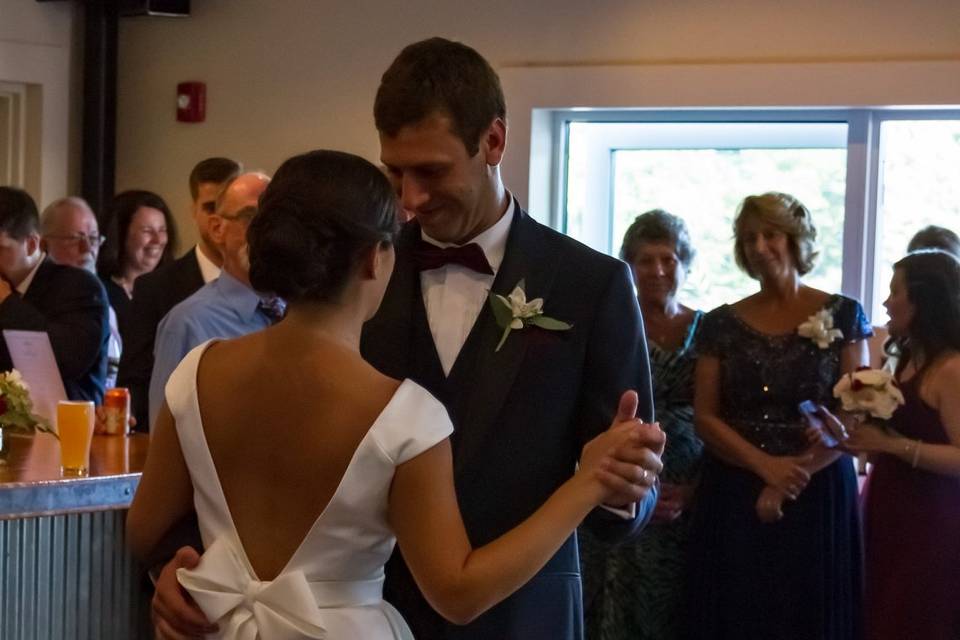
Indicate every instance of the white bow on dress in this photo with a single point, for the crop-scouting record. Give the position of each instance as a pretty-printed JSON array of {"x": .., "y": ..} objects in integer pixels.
[{"x": 249, "y": 609}]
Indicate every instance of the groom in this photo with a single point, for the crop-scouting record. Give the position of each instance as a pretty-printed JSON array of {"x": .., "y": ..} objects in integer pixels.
[{"x": 522, "y": 411}]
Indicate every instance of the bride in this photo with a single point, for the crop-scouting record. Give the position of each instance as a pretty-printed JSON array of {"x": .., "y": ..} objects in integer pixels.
[{"x": 305, "y": 464}]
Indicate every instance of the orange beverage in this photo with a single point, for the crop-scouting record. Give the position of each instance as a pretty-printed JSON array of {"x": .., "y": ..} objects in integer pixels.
[
  {"x": 75, "y": 427},
  {"x": 116, "y": 409}
]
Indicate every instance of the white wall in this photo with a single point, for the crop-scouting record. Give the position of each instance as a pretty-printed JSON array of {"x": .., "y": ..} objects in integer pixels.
[
  {"x": 290, "y": 75},
  {"x": 38, "y": 48}
]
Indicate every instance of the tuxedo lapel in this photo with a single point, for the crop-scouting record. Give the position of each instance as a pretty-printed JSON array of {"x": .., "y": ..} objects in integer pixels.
[{"x": 482, "y": 376}]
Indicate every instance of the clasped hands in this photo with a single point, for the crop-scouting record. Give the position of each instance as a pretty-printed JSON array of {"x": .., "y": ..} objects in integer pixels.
[
  {"x": 625, "y": 459},
  {"x": 786, "y": 477}
]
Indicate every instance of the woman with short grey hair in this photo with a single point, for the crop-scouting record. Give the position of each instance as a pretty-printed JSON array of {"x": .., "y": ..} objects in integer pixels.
[{"x": 635, "y": 591}]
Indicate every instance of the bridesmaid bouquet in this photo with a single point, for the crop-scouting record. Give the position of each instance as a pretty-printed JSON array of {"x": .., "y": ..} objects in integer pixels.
[{"x": 868, "y": 393}]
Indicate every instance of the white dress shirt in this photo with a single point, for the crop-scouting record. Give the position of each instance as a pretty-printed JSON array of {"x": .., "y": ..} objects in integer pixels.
[
  {"x": 208, "y": 270},
  {"x": 25, "y": 283},
  {"x": 454, "y": 295}
]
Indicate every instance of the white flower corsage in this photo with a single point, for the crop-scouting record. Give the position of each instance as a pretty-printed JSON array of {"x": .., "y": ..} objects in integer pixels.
[
  {"x": 819, "y": 328},
  {"x": 515, "y": 312}
]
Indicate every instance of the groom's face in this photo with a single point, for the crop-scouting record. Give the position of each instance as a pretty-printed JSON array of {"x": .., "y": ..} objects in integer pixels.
[{"x": 437, "y": 181}]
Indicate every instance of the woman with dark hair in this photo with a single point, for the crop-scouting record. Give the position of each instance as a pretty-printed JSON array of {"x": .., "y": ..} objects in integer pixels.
[
  {"x": 140, "y": 236},
  {"x": 307, "y": 461},
  {"x": 934, "y": 237},
  {"x": 634, "y": 591},
  {"x": 912, "y": 500},
  {"x": 774, "y": 545}
]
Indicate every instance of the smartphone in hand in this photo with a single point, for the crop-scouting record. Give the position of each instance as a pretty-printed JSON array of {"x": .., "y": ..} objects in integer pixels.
[{"x": 808, "y": 410}]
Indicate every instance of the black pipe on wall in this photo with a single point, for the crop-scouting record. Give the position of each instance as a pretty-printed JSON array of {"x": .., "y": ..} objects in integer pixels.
[{"x": 99, "y": 133}]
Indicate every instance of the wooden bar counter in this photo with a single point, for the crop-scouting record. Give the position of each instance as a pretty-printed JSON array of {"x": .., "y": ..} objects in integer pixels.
[{"x": 64, "y": 568}]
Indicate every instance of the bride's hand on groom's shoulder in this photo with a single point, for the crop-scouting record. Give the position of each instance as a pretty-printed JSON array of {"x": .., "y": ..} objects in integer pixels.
[{"x": 624, "y": 460}]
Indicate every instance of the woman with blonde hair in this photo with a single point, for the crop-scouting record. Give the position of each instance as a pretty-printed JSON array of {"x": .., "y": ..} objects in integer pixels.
[{"x": 774, "y": 549}]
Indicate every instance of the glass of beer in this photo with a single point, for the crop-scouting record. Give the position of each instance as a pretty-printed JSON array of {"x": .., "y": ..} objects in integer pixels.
[{"x": 75, "y": 427}]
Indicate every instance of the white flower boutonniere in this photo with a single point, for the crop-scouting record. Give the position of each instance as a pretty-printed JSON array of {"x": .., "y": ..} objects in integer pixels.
[
  {"x": 515, "y": 312},
  {"x": 819, "y": 328}
]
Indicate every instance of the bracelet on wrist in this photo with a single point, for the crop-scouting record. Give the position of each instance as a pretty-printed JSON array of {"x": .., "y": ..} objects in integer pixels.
[{"x": 916, "y": 454}]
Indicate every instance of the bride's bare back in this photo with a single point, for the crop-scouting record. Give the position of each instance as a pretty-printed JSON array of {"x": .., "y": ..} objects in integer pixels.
[{"x": 282, "y": 424}]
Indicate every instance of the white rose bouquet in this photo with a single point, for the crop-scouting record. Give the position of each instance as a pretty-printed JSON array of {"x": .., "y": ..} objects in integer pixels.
[{"x": 869, "y": 392}]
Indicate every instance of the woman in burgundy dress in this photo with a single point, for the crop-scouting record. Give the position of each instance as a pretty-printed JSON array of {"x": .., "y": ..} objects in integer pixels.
[{"x": 912, "y": 505}]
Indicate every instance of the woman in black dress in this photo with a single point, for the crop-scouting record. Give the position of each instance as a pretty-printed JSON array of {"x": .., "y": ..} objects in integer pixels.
[{"x": 140, "y": 236}]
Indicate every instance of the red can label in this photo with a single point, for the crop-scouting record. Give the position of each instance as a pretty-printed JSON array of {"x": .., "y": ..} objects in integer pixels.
[{"x": 116, "y": 409}]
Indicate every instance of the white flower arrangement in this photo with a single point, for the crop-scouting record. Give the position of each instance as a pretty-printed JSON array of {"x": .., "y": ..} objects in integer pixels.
[
  {"x": 870, "y": 392},
  {"x": 819, "y": 328},
  {"x": 514, "y": 312},
  {"x": 16, "y": 408}
]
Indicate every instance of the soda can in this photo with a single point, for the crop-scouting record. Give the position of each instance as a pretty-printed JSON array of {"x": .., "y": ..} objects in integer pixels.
[{"x": 116, "y": 409}]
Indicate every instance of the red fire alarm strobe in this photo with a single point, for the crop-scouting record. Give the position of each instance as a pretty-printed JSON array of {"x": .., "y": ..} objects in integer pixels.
[{"x": 191, "y": 101}]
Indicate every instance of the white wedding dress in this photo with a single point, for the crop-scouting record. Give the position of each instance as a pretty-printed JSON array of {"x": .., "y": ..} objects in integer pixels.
[{"x": 332, "y": 585}]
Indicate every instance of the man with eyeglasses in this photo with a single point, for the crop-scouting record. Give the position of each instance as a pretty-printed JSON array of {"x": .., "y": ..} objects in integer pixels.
[
  {"x": 37, "y": 294},
  {"x": 227, "y": 307},
  {"x": 70, "y": 235}
]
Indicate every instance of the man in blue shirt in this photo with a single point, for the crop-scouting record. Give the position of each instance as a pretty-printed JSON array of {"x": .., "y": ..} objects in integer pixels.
[{"x": 227, "y": 307}]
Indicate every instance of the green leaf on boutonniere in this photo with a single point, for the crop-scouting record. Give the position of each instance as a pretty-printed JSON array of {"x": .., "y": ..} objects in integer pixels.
[
  {"x": 501, "y": 310},
  {"x": 515, "y": 312},
  {"x": 549, "y": 323}
]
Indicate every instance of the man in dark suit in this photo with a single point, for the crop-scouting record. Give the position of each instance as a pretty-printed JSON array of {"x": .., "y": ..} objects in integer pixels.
[
  {"x": 155, "y": 293},
  {"x": 522, "y": 411},
  {"x": 36, "y": 294}
]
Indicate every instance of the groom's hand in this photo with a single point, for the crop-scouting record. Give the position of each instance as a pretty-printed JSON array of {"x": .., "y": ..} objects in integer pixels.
[
  {"x": 175, "y": 615},
  {"x": 635, "y": 464}
]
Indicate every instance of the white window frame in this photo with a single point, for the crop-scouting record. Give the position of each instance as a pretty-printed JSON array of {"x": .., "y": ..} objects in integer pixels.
[
  {"x": 534, "y": 92},
  {"x": 862, "y": 225}
]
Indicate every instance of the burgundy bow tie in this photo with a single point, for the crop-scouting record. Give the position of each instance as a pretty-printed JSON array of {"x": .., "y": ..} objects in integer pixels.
[{"x": 429, "y": 256}]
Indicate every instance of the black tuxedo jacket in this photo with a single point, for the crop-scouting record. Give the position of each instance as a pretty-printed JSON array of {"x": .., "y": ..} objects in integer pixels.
[
  {"x": 71, "y": 306},
  {"x": 154, "y": 294},
  {"x": 521, "y": 415}
]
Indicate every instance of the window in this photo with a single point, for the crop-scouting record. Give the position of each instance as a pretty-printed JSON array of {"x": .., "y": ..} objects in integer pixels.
[
  {"x": 700, "y": 172},
  {"x": 859, "y": 171},
  {"x": 919, "y": 186}
]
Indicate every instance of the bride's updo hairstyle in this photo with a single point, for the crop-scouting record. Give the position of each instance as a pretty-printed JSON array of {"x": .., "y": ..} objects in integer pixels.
[{"x": 320, "y": 213}]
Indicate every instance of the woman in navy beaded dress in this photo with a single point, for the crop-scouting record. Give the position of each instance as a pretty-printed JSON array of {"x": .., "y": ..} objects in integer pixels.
[{"x": 775, "y": 545}]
